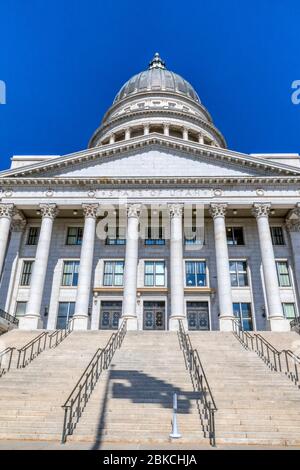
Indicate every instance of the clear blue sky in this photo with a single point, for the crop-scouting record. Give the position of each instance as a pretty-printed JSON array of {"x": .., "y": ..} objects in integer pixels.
[{"x": 63, "y": 61}]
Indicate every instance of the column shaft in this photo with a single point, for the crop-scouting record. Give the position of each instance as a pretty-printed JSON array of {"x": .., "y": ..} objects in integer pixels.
[
  {"x": 277, "y": 321},
  {"x": 85, "y": 268},
  {"x": 32, "y": 318},
  {"x": 218, "y": 212},
  {"x": 176, "y": 268},
  {"x": 131, "y": 263},
  {"x": 6, "y": 213}
]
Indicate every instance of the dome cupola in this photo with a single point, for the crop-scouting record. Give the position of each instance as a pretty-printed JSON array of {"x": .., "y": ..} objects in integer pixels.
[{"x": 157, "y": 100}]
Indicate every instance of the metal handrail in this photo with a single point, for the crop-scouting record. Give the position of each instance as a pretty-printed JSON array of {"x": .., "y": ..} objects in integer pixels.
[
  {"x": 200, "y": 382},
  {"x": 5, "y": 360},
  {"x": 58, "y": 336},
  {"x": 78, "y": 398},
  {"x": 8, "y": 317},
  {"x": 284, "y": 361},
  {"x": 31, "y": 350}
]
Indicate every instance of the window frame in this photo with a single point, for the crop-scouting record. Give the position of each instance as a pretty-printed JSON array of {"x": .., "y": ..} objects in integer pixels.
[
  {"x": 35, "y": 238},
  {"x": 25, "y": 279},
  {"x": 272, "y": 227},
  {"x": 77, "y": 243},
  {"x": 280, "y": 275},
  {"x": 237, "y": 273},
  {"x": 194, "y": 261},
  {"x": 240, "y": 318},
  {"x": 234, "y": 228},
  {"x": 154, "y": 273},
  {"x": 113, "y": 273},
  {"x": 18, "y": 302},
  {"x": 72, "y": 274}
]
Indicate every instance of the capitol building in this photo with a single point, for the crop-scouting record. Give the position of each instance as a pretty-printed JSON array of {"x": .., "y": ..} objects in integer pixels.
[{"x": 156, "y": 221}]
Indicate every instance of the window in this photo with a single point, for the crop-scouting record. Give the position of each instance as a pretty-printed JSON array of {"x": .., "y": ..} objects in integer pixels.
[
  {"x": 113, "y": 273},
  {"x": 20, "y": 309},
  {"x": 193, "y": 234},
  {"x": 195, "y": 273},
  {"x": 242, "y": 311},
  {"x": 74, "y": 236},
  {"x": 154, "y": 273},
  {"x": 116, "y": 235},
  {"x": 70, "y": 273},
  {"x": 238, "y": 273},
  {"x": 33, "y": 235},
  {"x": 235, "y": 236},
  {"x": 26, "y": 273},
  {"x": 277, "y": 235},
  {"x": 65, "y": 313},
  {"x": 289, "y": 310},
  {"x": 283, "y": 274},
  {"x": 154, "y": 234}
]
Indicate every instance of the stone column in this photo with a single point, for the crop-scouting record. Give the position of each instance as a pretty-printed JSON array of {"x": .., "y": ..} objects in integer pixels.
[
  {"x": 86, "y": 267},
  {"x": 112, "y": 138},
  {"x": 185, "y": 134},
  {"x": 292, "y": 225},
  {"x": 6, "y": 213},
  {"x": 276, "y": 318},
  {"x": 176, "y": 268},
  {"x": 201, "y": 139},
  {"x": 146, "y": 129},
  {"x": 131, "y": 264},
  {"x": 127, "y": 133},
  {"x": 8, "y": 287},
  {"x": 32, "y": 318},
  {"x": 166, "y": 129},
  {"x": 218, "y": 212}
]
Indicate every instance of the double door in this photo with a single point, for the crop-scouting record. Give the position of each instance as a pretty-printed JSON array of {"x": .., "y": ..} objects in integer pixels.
[
  {"x": 154, "y": 315},
  {"x": 110, "y": 314},
  {"x": 198, "y": 315}
]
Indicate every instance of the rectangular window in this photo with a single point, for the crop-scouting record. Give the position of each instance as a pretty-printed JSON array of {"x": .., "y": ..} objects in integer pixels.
[
  {"x": 74, "y": 236},
  {"x": 26, "y": 273},
  {"x": 238, "y": 273},
  {"x": 113, "y": 273},
  {"x": 154, "y": 234},
  {"x": 20, "y": 309},
  {"x": 195, "y": 273},
  {"x": 116, "y": 233},
  {"x": 70, "y": 273},
  {"x": 277, "y": 235},
  {"x": 289, "y": 310},
  {"x": 154, "y": 273},
  {"x": 235, "y": 235},
  {"x": 283, "y": 274},
  {"x": 242, "y": 311},
  {"x": 33, "y": 235},
  {"x": 65, "y": 313}
]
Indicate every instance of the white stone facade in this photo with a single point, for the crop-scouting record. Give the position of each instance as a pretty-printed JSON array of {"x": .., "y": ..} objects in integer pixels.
[{"x": 155, "y": 146}]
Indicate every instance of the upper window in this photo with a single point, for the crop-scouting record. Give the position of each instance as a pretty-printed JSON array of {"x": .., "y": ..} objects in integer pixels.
[
  {"x": 70, "y": 273},
  {"x": 113, "y": 273},
  {"x": 277, "y": 235},
  {"x": 154, "y": 273},
  {"x": 154, "y": 234},
  {"x": 74, "y": 236},
  {"x": 238, "y": 273},
  {"x": 195, "y": 273},
  {"x": 33, "y": 235},
  {"x": 26, "y": 273},
  {"x": 235, "y": 236},
  {"x": 283, "y": 274},
  {"x": 289, "y": 310}
]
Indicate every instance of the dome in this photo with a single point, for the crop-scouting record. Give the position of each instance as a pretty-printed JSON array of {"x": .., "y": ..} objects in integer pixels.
[{"x": 157, "y": 78}]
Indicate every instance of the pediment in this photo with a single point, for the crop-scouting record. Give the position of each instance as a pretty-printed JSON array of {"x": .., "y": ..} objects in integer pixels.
[{"x": 153, "y": 159}]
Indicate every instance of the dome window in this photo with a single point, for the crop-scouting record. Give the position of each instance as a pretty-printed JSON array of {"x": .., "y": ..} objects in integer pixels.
[
  {"x": 137, "y": 131},
  {"x": 120, "y": 136},
  {"x": 156, "y": 128},
  {"x": 176, "y": 132},
  {"x": 193, "y": 136}
]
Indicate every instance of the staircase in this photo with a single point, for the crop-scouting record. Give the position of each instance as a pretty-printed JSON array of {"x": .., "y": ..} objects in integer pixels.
[
  {"x": 255, "y": 405},
  {"x": 288, "y": 340},
  {"x": 31, "y": 398},
  {"x": 132, "y": 402},
  {"x": 17, "y": 338}
]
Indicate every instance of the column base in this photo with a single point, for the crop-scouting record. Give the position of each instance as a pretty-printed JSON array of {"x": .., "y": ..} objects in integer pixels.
[
  {"x": 80, "y": 323},
  {"x": 30, "y": 322},
  {"x": 132, "y": 323},
  {"x": 174, "y": 323},
  {"x": 226, "y": 324},
  {"x": 279, "y": 324}
]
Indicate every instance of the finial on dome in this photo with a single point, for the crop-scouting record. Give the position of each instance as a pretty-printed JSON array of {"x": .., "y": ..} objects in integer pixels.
[{"x": 157, "y": 62}]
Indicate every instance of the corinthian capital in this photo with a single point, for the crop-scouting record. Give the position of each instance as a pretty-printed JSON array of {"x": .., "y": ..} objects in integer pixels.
[
  {"x": 217, "y": 210},
  {"x": 292, "y": 222},
  {"x": 49, "y": 211},
  {"x": 134, "y": 210},
  {"x": 6, "y": 210},
  {"x": 90, "y": 210},
  {"x": 261, "y": 209},
  {"x": 176, "y": 210}
]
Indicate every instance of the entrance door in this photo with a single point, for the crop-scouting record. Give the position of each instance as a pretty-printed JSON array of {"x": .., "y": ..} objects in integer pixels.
[
  {"x": 154, "y": 315},
  {"x": 197, "y": 315},
  {"x": 110, "y": 314}
]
